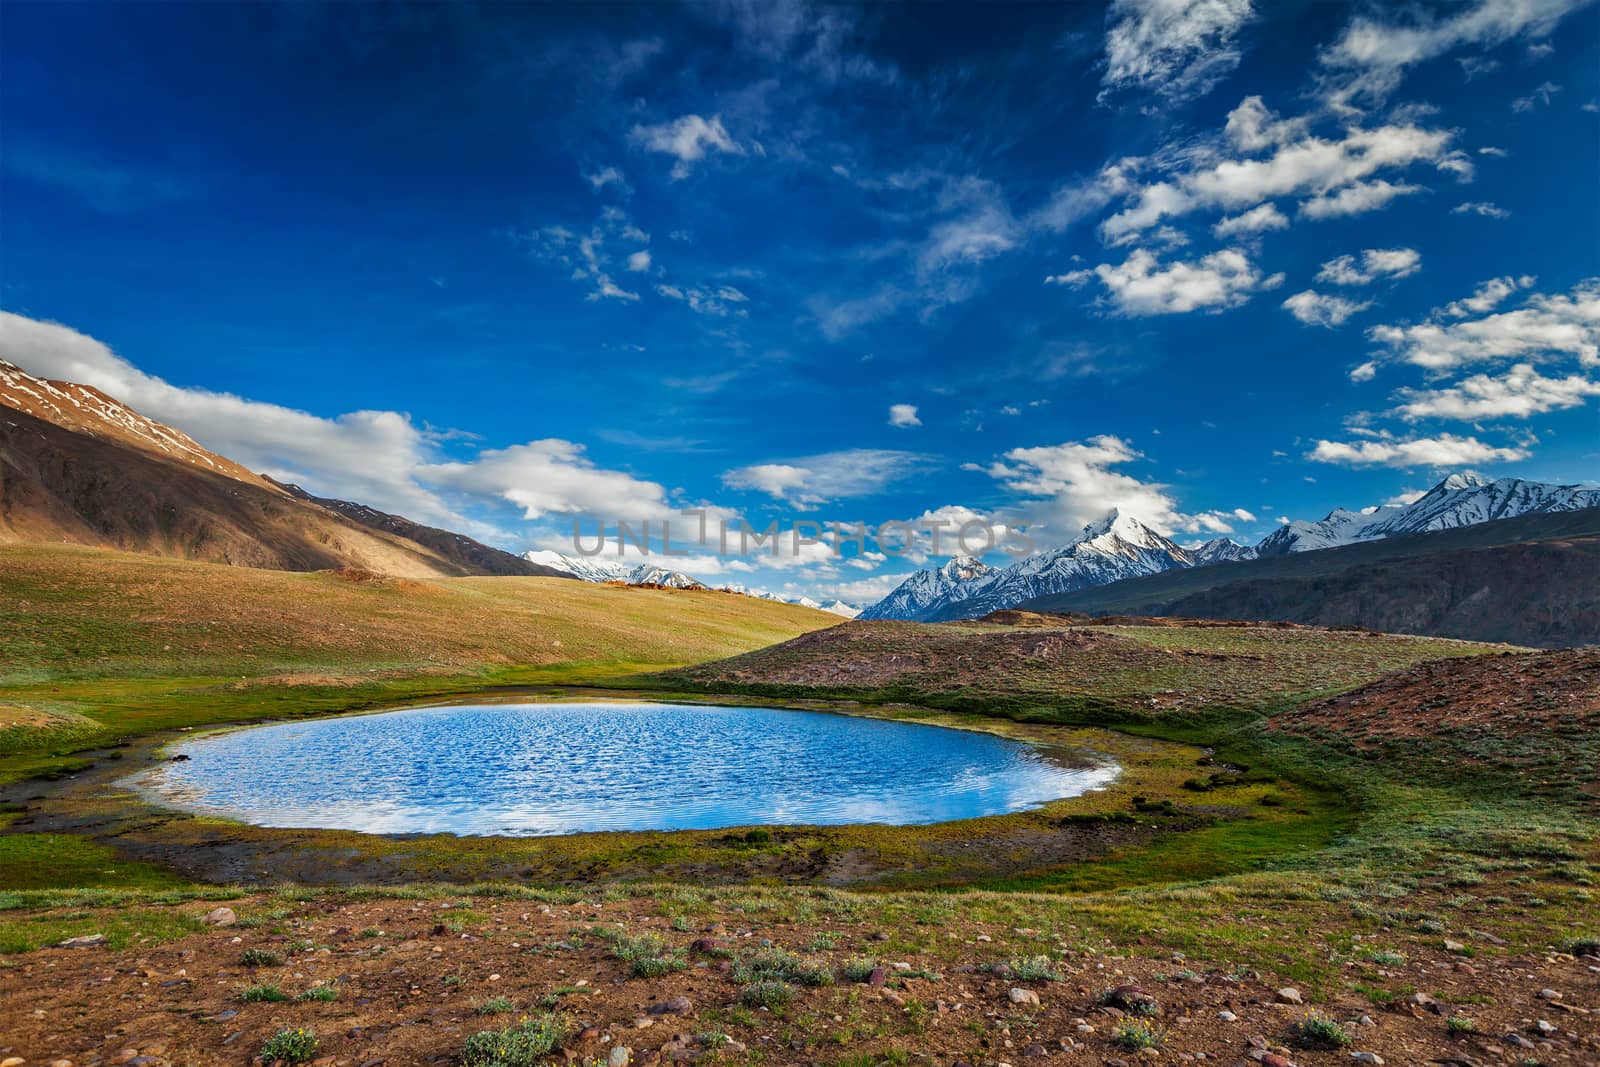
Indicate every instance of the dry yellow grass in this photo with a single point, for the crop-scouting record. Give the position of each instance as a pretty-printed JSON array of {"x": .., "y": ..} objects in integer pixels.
[{"x": 72, "y": 613}]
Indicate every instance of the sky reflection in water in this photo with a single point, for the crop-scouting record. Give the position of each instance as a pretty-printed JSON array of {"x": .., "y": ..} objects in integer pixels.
[{"x": 535, "y": 769}]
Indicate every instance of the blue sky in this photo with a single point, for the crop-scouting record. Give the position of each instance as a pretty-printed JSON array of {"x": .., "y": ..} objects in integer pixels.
[{"x": 498, "y": 267}]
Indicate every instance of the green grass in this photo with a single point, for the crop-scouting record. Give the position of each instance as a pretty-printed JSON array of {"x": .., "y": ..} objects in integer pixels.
[
  {"x": 293, "y": 1045},
  {"x": 45, "y": 861},
  {"x": 525, "y": 1045},
  {"x": 262, "y": 994}
]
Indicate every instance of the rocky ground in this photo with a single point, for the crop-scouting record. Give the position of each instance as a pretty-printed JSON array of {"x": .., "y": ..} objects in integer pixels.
[{"x": 409, "y": 981}]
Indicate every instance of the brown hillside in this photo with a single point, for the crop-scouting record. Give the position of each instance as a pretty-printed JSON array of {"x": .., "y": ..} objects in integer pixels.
[{"x": 59, "y": 485}]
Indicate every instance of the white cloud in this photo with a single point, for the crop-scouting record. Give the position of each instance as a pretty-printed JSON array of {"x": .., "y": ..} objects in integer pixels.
[
  {"x": 1481, "y": 207},
  {"x": 903, "y": 415},
  {"x": 605, "y": 176},
  {"x": 1357, "y": 199},
  {"x": 811, "y": 480},
  {"x": 1519, "y": 393},
  {"x": 588, "y": 257},
  {"x": 639, "y": 261},
  {"x": 687, "y": 139},
  {"x": 1323, "y": 309},
  {"x": 1545, "y": 327},
  {"x": 551, "y": 476},
  {"x": 1071, "y": 484},
  {"x": 1177, "y": 48},
  {"x": 1143, "y": 286},
  {"x": 1296, "y": 165},
  {"x": 1488, "y": 296},
  {"x": 1541, "y": 95},
  {"x": 1371, "y": 56},
  {"x": 1445, "y": 450},
  {"x": 710, "y": 300},
  {"x": 1374, "y": 263},
  {"x": 1072, "y": 279},
  {"x": 1256, "y": 220}
]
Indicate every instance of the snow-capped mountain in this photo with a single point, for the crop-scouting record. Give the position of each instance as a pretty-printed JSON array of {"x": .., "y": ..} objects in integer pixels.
[
  {"x": 1118, "y": 546},
  {"x": 932, "y": 590},
  {"x": 1459, "y": 500},
  {"x": 837, "y": 607},
  {"x": 590, "y": 569},
  {"x": 597, "y": 569},
  {"x": 1221, "y": 550}
]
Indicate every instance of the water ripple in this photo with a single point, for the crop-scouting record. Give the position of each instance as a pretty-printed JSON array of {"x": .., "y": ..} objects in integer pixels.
[{"x": 538, "y": 769}]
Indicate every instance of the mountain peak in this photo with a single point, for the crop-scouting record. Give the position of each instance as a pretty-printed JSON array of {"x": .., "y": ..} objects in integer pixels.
[
  {"x": 1462, "y": 480},
  {"x": 1122, "y": 526},
  {"x": 964, "y": 568}
]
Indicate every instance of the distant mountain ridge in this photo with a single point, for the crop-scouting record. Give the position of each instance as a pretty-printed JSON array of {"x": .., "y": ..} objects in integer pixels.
[
  {"x": 1120, "y": 547},
  {"x": 599, "y": 569}
]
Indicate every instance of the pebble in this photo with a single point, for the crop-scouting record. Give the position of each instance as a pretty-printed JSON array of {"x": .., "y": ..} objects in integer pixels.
[
  {"x": 1024, "y": 996},
  {"x": 1367, "y": 1057},
  {"x": 1227, "y": 1016},
  {"x": 620, "y": 1056},
  {"x": 673, "y": 1006},
  {"x": 1549, "y": 994},
  {"x": 219, "y": 917},
  {"x": 1290, "y": 995},
  {"x": 12, "y": 1061}
]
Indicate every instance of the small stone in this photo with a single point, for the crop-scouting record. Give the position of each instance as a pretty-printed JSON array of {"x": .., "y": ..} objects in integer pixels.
[
  {"x": 1020, "y": 996},
  {"x": 620, "y": 1056},
  {"x": 643, "y": 1022},
  {"x": 1290, "y": 995},
  {"x": 1035, "y": 1051},
  {"x": 1544, "y": 1026},
  {"x": 893, "y": 998},
  {"x": 85, "y": 941},
  {"x": 1272, "y": 1059},
  {"x": 1454, "y": 946},
  {"x": 12, "y": 1061},
  {"x": 877, "y": 977},
  {"x": 219, "y": 917},
  {"x": 1549, "y": 994},
  {"x": 673, "y": 1006},
  {"x": 60, "y": 1063},
  {"x": 1367, "y": 1057},
  {"x": 1084, "y": 1028},
  {"x": 1227, "y": 1016},
  {"x": 123, "y": 1056}
]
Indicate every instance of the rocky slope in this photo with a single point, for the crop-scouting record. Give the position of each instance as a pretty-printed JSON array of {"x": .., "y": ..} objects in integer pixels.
[{"x": 1533, "y": 580}]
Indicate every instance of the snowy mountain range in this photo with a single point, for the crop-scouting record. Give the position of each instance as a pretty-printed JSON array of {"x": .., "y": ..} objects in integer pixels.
[
  {"x": 611, "y": 570},
  {"x": 1120, "y": 546}
]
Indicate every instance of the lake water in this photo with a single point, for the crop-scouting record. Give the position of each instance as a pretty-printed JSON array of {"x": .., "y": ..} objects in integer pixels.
[{"x": 533, "y": 769}]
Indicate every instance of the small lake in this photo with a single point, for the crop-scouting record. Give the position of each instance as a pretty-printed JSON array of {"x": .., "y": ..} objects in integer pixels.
[{"x": 535, "y": 769}]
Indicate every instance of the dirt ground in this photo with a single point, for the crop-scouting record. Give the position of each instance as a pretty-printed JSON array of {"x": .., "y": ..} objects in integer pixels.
[{"x": 409, "y": 977}]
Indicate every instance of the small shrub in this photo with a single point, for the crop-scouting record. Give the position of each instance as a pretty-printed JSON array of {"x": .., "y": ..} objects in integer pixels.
[
  {"x": 1034, "y": 969},
  {"x": 259, "y": 957},
  {"x": 1457, "y": 1024},
  {"x": 858, "y": 969},
  {"x": 758, "y": 837},
  {"x": 1384, "y": 957},
  {"x": 495, "y": 1006},
  {"x": 371, "y": 931},
  {"x": 1319, "y": 1031},
  {"x": 294, "y": 1045},
  {"x": 516, "y": 1046},
  {"x": 766, "y": 993},
  {"x": 1134, "y": 1036},
  {"x": 1584, "y": 946},
  {"x": 262, "y": 994},
  {"x": 322, "y": 993}
]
